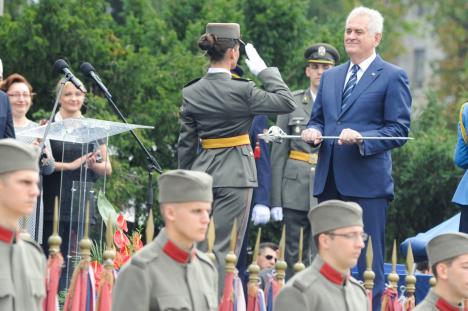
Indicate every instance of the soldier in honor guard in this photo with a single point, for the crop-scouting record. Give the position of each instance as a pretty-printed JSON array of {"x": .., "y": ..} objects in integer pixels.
[
  {"x": 216, "y": 115},
  {"x": 170, "y": 273},
  {"x": 448, "y": 257},
  {"x": 294, "y": 161},
  {"x": 23, "y": 264},
  {"x": 326, "y": 284}
]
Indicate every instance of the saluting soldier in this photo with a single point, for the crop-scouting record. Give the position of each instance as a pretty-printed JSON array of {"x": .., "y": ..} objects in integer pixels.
[
  {"x": 448, "y": 257},
  {"x": 327, "y": 284},
  {"x": 294, "y": 161},
  {"x": 23, "y": 264},
  {"x": 170, "y": 273},
  {"x": 216, "y": 115}
]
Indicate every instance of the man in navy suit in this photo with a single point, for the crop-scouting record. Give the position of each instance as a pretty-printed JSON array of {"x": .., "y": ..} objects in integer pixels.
[{"x": 365, "y": 96}]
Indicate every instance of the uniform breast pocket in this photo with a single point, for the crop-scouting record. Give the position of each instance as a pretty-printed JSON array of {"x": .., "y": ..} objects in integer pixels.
[
  {"x": 297, "y": 125},
  {"x": 7, "y": 294},
  {"x": 248, "y": 162},
  {"x": 37, "y": 288},
  {"x": 211, "y": 302},
  {"x": 173, "y": 303}
]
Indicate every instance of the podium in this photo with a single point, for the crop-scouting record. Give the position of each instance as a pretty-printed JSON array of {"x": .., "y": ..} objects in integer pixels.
[{"x": 77, "y": 136}]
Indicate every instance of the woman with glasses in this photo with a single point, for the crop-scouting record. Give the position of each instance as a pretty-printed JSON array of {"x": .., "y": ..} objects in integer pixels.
[{"x": 20, "y": 94}]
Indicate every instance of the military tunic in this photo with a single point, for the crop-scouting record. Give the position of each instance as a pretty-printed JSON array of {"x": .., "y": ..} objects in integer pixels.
[
  {"x": 293, "y": 179},
  {"x": 321, "y": 288},
  {"x": 433, "y": 302},
  {"x": 162, "y": 277},
  {"x": 219, "y": 106},
  {"x": 22, "y": 273}
]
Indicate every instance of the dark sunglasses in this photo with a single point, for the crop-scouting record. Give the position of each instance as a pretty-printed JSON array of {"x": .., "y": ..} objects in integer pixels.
[{"x": 270, "y": 257}]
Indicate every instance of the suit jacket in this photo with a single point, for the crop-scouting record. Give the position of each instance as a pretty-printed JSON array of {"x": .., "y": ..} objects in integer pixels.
[
  {"x": 7, "y": 129},
  {"x": 218, "y": 106},
  {"x": 292, "y": 179},
  {"x": 461, "y": 160},
  {"x": 380, "y": 105},
  {"x": 261, "y": 194}
]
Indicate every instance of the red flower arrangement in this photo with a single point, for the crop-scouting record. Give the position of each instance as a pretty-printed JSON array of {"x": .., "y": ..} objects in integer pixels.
[{"x": 124, "y": 246}]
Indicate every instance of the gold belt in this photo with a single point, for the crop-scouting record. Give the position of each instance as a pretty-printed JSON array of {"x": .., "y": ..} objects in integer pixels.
[
  {"x": 226, "y": 142},
  {"x": 310, "y": 158}
]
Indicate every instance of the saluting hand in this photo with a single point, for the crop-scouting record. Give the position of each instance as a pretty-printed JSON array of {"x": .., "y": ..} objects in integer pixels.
[{"x": 253, "y": 60}]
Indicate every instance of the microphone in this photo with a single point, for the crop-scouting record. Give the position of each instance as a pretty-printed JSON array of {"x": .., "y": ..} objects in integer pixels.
[
  {"x": 61, "y": 66},
  {"x": 88, "y": 70}
]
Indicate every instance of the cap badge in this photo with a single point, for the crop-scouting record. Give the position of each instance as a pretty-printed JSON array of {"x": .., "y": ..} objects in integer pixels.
[{"x": 322, "y": 51}]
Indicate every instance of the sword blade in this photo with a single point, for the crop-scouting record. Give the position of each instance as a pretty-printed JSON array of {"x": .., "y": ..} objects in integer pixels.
[{"x": 272, "y": 137}]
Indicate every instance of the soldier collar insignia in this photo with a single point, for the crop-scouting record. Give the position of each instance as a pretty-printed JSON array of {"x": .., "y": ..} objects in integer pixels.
[
  {"x": 178, "y": 254},
  {"x": 332, "y": 275},
  {"x": 443, "y": 305},
  {"x": 7, "y": 235}
]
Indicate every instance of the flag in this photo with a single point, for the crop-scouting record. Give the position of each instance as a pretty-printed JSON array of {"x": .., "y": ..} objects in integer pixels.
[
  {"x": 80, "y": 296},
  {"x": 272, "y": 289},
  {"x": 104, "y": 300},
  {"x": 390, "y": 300},
  {"x": 239, "y": 297},
  {"x": 54, "y": 269},
  {"x": 227, "y": 301},
  {"x": 256, "y": 298}
]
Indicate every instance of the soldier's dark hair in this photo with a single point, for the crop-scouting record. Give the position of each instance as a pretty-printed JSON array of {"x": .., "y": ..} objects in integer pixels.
[
  {"x": 448, "y": 262},
  {"x": 216, "y": 47},
  {"x": 264, "y": 245}
]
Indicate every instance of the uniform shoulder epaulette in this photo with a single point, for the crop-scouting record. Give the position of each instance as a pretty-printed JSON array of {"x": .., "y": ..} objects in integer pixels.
[
  {"x": 359, "y": 284},
  {"x": 240, "y": 79},
  {"x": 298, "y": 92},
  {"x": 144, "y": 256},
  {"x": 304, "y": 280},
  {"x": 30, "y": 241},
  {"x": 192, "y": 82},
  {"x": 204, "y": 257}
]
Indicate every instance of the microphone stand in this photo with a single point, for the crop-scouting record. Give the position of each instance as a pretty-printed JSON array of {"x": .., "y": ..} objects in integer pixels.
[
  {"x": 152, "y": 166},
  {"x": 42, "y": 147}
]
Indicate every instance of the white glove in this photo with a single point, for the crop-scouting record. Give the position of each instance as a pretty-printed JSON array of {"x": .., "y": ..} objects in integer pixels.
[
  {"x": 277, "y": 213},
  {"x": 253, "y": 60},
  {"x": 260, "y": 214}
]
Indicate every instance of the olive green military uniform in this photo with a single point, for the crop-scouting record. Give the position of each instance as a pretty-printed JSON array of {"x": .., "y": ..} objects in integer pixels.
[
  {"x": 433, "y": 302},
  {"x": 22, "y": 273},
  {"x": 163, "y": 277},
  {"x": 321, "y": 288},
  {"x": 292, "y": 180},
  {"x": 218, "y": 106}
]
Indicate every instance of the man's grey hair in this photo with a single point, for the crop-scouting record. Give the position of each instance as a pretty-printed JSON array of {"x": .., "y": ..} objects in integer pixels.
[{"x": 376, "y": 19}]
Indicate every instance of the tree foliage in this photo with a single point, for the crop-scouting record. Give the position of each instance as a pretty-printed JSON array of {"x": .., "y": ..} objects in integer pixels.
[{"x": 146, "y": 51}]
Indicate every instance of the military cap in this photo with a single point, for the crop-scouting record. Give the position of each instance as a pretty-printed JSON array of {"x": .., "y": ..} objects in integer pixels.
[
  {"x": 334, "y": 214},
  {"x": 224, "y": 30},
  {"x": 17, "y": 156},
  {"x": 185, "y": 186},
  {"x": 322, "y": 53},
  {"x": 446, "y": 246}
]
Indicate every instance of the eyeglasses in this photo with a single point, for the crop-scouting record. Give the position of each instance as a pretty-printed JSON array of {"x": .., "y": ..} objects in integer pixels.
[
  {"x": 270, "y": 257},
  {"x": 18, "y": 95},
  {"x": 354, "y": 236}
]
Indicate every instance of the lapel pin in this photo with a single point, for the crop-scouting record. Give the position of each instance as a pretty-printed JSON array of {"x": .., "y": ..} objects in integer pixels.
[{"x": 373, "y": 74}]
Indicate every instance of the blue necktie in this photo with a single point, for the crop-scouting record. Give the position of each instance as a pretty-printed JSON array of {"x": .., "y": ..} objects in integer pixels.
[{"x": 350, "y": 85}]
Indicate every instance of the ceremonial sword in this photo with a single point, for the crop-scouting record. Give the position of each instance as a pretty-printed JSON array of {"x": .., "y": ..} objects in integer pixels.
[{"x": 276, "y": 134}]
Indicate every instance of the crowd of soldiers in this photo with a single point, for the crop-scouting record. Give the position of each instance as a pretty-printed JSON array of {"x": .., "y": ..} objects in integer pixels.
[{"x": 317, "y": 184}]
